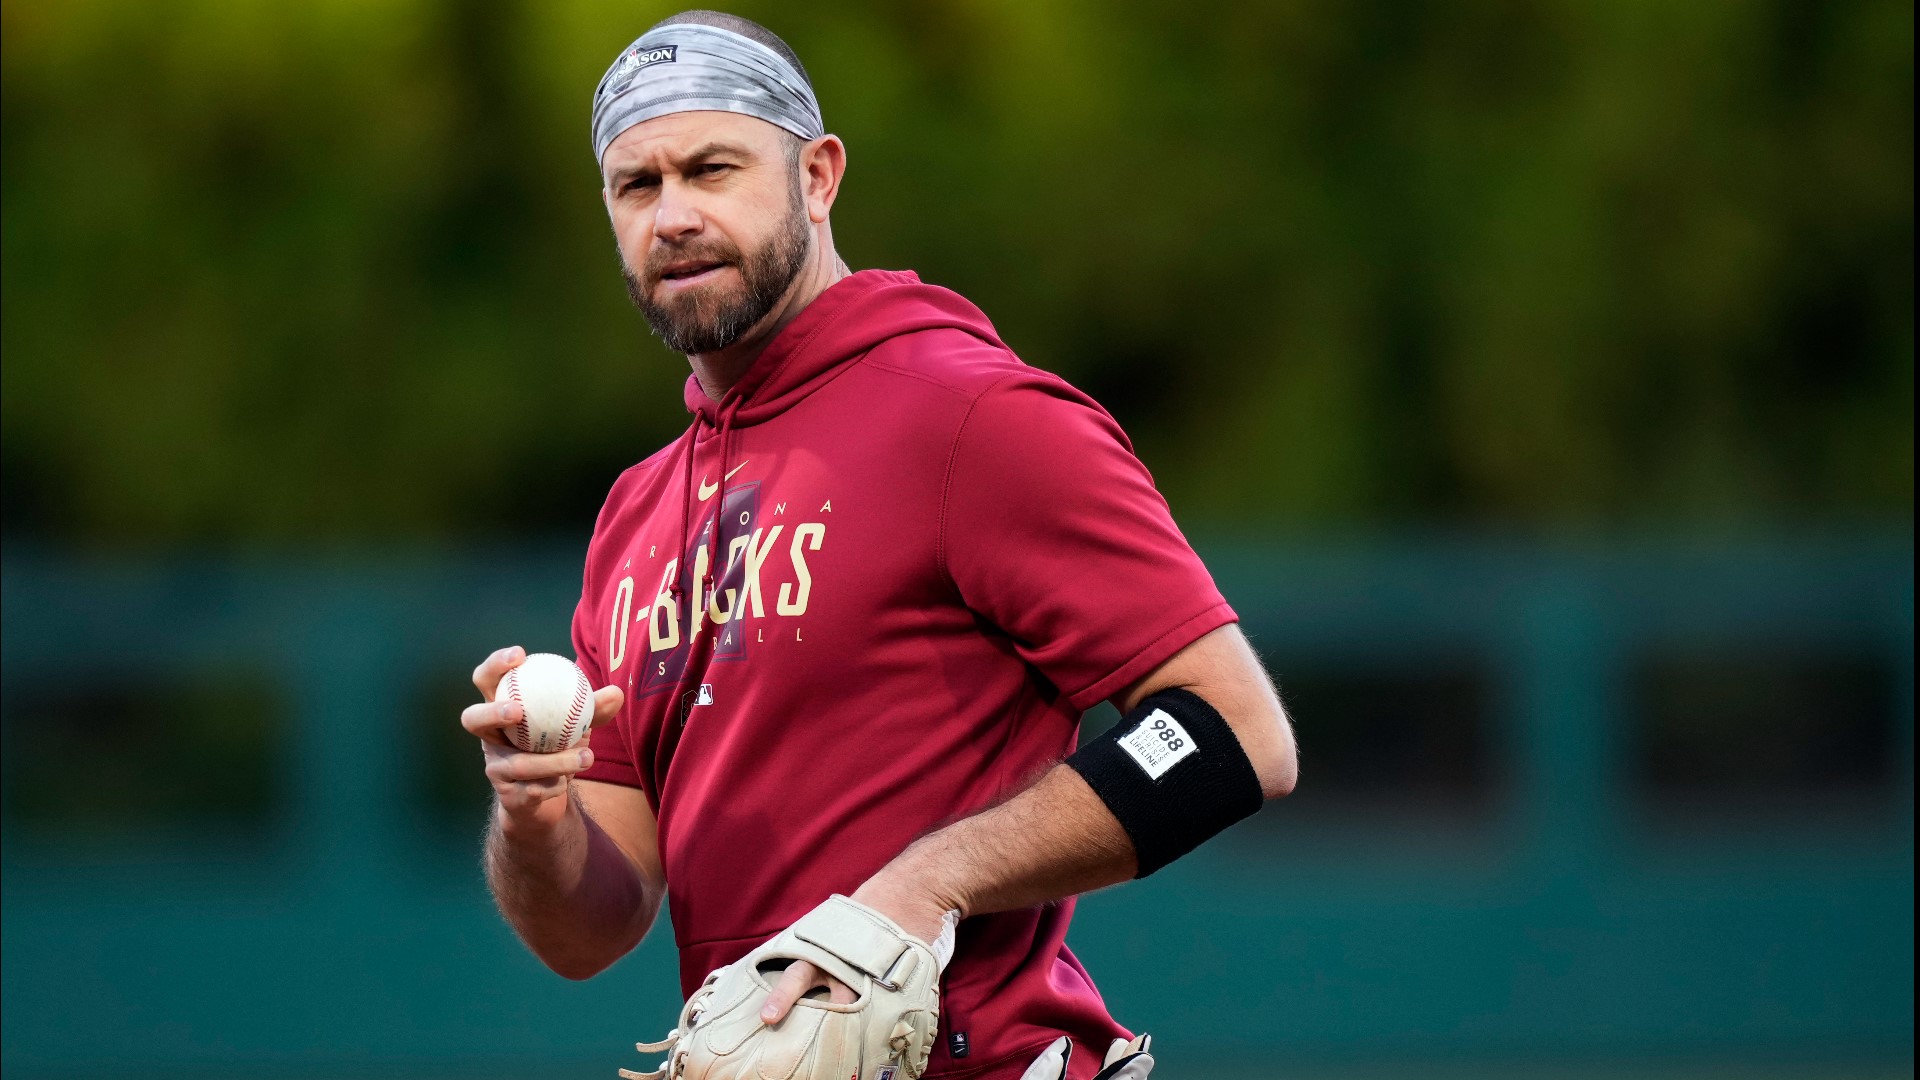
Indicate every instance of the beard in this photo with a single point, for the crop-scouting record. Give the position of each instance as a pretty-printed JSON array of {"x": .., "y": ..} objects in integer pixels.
[{"x": 713, "y": 316}]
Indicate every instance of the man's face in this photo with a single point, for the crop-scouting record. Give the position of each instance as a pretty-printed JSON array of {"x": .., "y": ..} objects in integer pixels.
[{"x": 711, "y": 222}]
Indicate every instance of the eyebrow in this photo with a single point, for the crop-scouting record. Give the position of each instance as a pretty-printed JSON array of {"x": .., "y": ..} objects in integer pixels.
[
  {"x": 707, "y": 152},
  {"x": 719, "y": 149}
]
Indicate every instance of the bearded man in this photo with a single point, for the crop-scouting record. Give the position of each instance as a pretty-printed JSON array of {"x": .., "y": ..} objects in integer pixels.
[{"x": 845, "y": 629}]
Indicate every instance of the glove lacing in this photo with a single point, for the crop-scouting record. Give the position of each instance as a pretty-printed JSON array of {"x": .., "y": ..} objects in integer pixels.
[
  {"x": 900, "y": 1043},
  {"x": 675, "y": 1066}
]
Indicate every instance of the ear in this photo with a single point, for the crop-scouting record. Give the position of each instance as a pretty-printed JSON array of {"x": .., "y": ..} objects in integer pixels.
[{"x": 822, "y": 163}]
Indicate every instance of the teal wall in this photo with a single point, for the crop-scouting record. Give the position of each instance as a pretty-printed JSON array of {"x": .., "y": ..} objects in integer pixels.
[{"x": 348, "y": 931}]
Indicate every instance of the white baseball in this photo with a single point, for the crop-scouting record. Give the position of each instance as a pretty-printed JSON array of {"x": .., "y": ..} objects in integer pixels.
[{"x": 556, "y": 703}]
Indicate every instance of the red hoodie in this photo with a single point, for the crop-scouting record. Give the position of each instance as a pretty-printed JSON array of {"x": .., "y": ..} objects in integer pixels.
[{"x": 930, "y": 560}]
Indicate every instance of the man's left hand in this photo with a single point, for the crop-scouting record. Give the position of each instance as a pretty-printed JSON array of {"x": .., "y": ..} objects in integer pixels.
[{"x": 916, "y": 911}]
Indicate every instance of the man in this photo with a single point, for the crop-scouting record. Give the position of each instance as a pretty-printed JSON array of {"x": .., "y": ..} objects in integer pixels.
[{"x": 845, "y": 627}]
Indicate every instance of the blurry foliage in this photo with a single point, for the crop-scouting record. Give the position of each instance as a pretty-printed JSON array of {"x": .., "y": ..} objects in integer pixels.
[{"x": 304, "y": 273}]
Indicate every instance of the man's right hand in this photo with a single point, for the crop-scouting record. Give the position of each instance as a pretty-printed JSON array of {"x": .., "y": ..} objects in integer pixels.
[{"x": 529, "y": 789}]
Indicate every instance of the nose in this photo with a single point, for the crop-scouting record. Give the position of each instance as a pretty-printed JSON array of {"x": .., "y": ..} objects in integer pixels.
[{"x": 675, "y": 218}]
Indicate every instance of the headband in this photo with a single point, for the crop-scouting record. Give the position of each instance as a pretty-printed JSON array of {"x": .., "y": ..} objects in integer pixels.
[{"x": 688, "y": 67}]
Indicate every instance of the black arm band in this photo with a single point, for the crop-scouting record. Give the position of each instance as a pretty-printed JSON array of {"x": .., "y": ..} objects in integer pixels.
[{"x": 1173, "y": 773}]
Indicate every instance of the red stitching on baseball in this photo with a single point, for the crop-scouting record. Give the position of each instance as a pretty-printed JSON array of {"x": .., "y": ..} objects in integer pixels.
[
  {"x": 582, "y": 694},
  {"x": 512, "y": 684}
]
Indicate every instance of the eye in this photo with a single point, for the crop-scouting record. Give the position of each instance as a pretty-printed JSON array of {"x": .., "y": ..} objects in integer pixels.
[
  {"x": 640, "y": 183},
  {"x": 714, "y": 168}
]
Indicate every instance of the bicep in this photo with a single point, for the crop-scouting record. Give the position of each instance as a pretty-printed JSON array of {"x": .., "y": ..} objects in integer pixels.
[
  {"x": 1221, "y": 667},
  {"x": 624, "y": 814},
  {"x": 1055, "y": 534}
]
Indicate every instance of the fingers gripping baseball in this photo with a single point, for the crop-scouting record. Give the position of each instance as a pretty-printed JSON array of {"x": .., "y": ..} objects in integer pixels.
[
  {"x": 524, "y": 780},
  {"x": 486, "y": 677}
]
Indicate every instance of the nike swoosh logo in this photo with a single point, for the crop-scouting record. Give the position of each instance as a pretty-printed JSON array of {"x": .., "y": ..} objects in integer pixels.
[{"x": 707, "y": 490}]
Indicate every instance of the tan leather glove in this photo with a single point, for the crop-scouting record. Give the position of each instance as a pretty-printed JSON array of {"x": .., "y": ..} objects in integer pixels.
[{"x": 885, "y": 1033}]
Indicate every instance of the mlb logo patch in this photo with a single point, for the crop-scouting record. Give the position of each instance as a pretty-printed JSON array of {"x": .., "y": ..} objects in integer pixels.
[{"x": 704, "y": 696}]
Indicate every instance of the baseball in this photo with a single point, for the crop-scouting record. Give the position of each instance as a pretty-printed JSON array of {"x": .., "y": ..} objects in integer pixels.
[{"x": 556, "y": 703}]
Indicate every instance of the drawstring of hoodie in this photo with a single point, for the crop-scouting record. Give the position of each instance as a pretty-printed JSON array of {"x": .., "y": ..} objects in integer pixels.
[
  {"x": 726, "y": 461},
  {"x": 723, "y": 424},
  {"x": 691, "y": 439}
]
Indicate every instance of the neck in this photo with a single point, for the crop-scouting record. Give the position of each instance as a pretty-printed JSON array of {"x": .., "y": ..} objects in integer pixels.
[{"x": 718, "y": 371}]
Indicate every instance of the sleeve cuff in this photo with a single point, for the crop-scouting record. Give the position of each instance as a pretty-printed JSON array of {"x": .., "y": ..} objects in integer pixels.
[{"x": 1156, "y": 652}]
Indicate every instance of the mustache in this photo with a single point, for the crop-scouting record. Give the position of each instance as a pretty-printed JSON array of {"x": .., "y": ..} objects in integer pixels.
[{"x": 717, "y": 251}]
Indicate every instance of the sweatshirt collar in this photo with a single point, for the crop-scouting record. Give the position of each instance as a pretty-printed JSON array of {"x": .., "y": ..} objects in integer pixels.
[{"x": 793, "y": 354}]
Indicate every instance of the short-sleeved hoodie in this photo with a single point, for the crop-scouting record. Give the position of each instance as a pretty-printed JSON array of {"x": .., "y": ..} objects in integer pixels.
[{"x": 871, "y": 591}]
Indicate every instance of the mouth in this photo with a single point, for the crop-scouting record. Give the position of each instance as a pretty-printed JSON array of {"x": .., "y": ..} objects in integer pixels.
[{"x": 690, "y": 272}]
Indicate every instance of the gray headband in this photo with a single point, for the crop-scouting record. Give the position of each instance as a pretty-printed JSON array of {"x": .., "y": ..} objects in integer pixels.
[{"x": 688, "y": 67}]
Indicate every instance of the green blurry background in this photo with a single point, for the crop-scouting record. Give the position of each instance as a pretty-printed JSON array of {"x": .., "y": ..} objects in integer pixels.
[{"x": 1537, "y": 377}]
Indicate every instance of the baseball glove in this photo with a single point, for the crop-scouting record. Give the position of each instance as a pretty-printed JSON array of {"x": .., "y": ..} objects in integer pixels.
[{"x": 885, "y": 1033}]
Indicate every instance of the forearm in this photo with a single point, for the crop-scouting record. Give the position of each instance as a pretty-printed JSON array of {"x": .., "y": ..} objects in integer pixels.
[
  {"x": 1053, "y": 840},
  {"x": 571, "y": 894},
  {"x": 1058, "y": 838}
]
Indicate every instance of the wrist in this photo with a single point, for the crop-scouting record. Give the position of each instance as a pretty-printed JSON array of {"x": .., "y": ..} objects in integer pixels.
[
  {"x": 916, "y": 903},
  {"x": 533, "y": 823}
]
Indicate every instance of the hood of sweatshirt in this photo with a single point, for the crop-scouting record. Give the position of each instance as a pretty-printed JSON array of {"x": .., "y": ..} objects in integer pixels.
[{"x": 852, "y": 316}]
